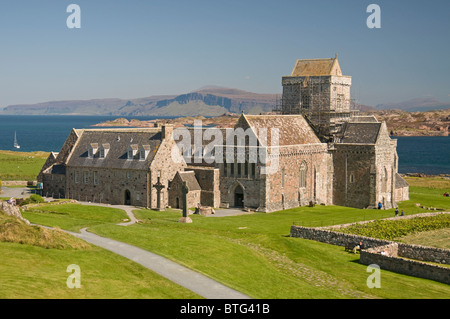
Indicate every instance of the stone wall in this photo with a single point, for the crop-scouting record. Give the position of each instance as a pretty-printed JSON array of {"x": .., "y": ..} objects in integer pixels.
[
  {"x": 109, "y": 187},
  {"x": 208, "y": 179},
  {"x": 54, "y": 185},
  {"x": 335, "y": 238},
  {"x": 386, "y": 254},
  {"x": 423, "y": 253},
  {"x": 354, "y": 181},
  {"x": 387, "y": 257}
]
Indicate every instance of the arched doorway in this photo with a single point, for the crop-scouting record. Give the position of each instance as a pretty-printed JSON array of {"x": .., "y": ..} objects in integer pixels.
[
  {"x": 127, "y": 197},
  {"x": 177, "y": 202},
  {"x": 238, "y": 196}
]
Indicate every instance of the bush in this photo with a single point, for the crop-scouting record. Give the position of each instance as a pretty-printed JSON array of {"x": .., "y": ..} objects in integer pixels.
[
  {"x": 36, "y": 198},
  {"x": 33, "y": 199}
]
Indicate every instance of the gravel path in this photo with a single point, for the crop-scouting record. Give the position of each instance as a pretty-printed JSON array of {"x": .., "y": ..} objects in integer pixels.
[{"x": 196, "y": 282}]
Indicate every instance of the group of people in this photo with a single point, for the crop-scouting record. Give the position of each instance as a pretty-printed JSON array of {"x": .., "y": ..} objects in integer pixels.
[
  {"x": 396, "y": 209},
  {"x": 446, "y": 194},
  {"x": 11, "y": 201},
  {"x": 396, "y": 212}
]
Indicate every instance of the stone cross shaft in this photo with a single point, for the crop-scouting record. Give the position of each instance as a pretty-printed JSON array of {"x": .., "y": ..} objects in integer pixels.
[
  {"x": 159, "y": 187},
  {"x": 185, "y": 191}
]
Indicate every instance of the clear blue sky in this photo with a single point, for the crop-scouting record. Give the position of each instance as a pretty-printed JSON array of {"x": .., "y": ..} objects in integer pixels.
[{"x": 139, "y": 48}]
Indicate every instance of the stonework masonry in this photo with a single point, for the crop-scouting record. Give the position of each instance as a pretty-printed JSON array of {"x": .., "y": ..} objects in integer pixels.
[
  {"x": 316, "y": 151},
  {"x": 386, "y": 254}
]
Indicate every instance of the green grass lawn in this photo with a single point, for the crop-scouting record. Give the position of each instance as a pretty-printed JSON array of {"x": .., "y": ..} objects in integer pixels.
[
  {"x": 254, "y": 253},
  {"x": 21, "y": 166},
  {"x": 34, "y": 262},
  {"x": 30, "y": 272},
  {"x": 73, "y": 217}
]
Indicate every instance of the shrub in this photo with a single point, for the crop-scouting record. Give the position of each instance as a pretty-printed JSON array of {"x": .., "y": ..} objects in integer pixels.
[{"x": 33, "y": 199}]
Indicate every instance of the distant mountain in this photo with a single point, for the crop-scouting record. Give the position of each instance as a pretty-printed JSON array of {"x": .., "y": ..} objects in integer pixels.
[
  {"x": 206, "y": 101},
  {"x": 416, "y": 105}
]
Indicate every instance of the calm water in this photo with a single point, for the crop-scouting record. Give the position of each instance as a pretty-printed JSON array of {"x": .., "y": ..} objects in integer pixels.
[
  {"x": 44, "y": 133},
  {"x": 429, "y": 155}
]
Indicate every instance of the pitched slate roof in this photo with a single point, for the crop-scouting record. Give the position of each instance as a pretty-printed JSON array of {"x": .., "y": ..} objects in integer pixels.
[
  {"x": 292, "y": 129},
  {"x": 316, "y": 67},
  {"x": 119, "y": 140},
  {"x": 190, "y": 179},
  {"x": 58, "y": 169},
  {"x": 400, "y": 182},
  {"x": 360, "y": 133}
]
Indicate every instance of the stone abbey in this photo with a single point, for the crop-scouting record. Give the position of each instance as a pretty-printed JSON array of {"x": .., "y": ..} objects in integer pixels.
[{"x": 325, "y": 153}]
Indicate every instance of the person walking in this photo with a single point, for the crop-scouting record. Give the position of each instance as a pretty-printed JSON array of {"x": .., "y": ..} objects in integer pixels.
[
  {"x": 396, "y": 211},
  {"x": 380, "y": 205}
]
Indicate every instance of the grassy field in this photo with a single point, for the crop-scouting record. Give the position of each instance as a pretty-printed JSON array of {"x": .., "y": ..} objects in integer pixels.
[
  {"x": 21, "y": 166},
  {"x": 34, "y": 263},
  {"x": 254, "y": 253}
]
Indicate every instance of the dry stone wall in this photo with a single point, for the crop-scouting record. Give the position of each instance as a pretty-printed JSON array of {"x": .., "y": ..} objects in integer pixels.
[{"x": 386, "y": 254}]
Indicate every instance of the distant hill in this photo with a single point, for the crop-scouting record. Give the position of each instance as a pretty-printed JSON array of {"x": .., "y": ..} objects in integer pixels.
[
  {"x": 416, "y": 105},
  {"x": 207, "y": 101}
]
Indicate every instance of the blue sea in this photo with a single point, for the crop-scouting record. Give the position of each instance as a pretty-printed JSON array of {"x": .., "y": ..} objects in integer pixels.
[{"x": 429, "y": 155}]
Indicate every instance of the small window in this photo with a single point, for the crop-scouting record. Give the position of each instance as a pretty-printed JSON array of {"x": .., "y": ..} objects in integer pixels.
[
  {"x": 253, "y": 170},
  {"x": 352, "y": 178},
  {"x": 130, "y": 154},
  {"x": 95, "y": 178},
  {"x": 86, "y": 177},
  {"x": 76, "y": 177},
  {"x": 102, "y": 153}
]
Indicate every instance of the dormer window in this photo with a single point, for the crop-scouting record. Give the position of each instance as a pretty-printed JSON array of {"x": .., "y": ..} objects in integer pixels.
[
  {"x": 93, "y": 147},
  {"x": 104, "y": 149},
  {"x": 144, "y": 150},
  {"x": 132, "y": 151}
]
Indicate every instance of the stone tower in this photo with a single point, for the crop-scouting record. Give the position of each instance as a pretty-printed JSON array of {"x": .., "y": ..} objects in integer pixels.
[{"x": 319, "y": 91}]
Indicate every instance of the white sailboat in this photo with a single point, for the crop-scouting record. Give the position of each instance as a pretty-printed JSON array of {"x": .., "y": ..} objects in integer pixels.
[{"x": 16, "y": 145}]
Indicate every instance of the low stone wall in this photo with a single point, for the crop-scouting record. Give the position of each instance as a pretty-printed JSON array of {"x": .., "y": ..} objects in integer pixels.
[
  {"x": 18, "y": 183},
  {"x": 386, "y": 254},
  {"x": 387, "y": 258},
  {"x": 437, "y": 255},
  {"x": 335, "y": 238}
]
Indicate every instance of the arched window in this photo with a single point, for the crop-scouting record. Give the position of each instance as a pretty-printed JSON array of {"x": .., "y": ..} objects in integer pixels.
[{"x": 303, "y": 174}]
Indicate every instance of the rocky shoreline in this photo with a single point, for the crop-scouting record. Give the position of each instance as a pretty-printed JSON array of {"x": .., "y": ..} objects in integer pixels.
[{"x": 399, "y": 123}]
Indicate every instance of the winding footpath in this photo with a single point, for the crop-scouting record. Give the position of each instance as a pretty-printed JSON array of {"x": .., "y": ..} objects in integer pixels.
[{"x": 196, "y": 282}]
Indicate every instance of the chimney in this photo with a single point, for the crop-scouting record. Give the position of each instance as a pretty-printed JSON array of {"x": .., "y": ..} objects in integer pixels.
[{"x": 167, "y": 131}]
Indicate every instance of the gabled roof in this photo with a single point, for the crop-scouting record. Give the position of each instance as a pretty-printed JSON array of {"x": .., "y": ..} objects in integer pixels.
[
  {"x": 190, "y": 179},
  {"x": 292, "y": 129},
  {"x": 360, "y": 133},
  {"x": 117, "y": 154},
  {"x": 59, "y": 169},
  {"x": 317, "y": 67},
  {"x": 400, "y": 182}
]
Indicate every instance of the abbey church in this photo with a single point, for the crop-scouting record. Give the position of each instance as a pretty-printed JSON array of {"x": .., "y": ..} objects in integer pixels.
[{"x": 318, "y": 150}]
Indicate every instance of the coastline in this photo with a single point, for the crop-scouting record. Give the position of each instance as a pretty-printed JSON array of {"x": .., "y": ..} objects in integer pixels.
[{"x": 397, "y": 128}]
